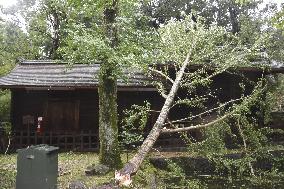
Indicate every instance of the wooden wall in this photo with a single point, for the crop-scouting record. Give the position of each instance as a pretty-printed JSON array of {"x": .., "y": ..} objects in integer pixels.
[
  {"x": 61, "y": 110},
  {"x": 71, "y": 110},
  {"x": 77, "y": 111}
]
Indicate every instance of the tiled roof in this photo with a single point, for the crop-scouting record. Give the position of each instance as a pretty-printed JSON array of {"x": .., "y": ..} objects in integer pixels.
[{"x": 49, "y": 74}]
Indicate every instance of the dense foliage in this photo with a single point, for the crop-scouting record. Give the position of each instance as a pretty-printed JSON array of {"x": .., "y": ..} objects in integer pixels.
[{"x": 225, "y": 34}]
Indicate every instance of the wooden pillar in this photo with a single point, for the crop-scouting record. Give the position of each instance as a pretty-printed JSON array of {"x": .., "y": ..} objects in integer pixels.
[
  {"x": 21, "y": 139},
  {"x": 81, "y": 140},
  {"x": 73, "y": 140},
  {"x": 90, "y": 139},
  {"x": 35, "y": 137},
  {"x": 50, "y": 138},
  {"x": 65, "y": 140}
]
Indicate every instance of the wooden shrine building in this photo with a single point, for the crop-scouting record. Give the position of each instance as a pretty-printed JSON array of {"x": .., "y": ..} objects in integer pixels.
[{"x": 64, "y": 99}]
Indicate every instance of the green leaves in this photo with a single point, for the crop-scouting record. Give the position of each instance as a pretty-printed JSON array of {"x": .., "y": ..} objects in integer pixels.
[
  {"x": 242, "y": 2},
  {"x": 133, "y": 124},
  {"x": 86, "y": 42},
  {"x": 214, "y": 46},
  {"x": 14, "y": 45},
  {"x": 5, "y": 102},
  {"x": 278, "y": 20}
]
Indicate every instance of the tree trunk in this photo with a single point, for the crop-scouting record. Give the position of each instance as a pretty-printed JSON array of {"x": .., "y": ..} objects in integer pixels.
[
  {"x": 55, "y": 19},
  {"x": 234, "y": 18},
  {"x": 56, "y": 37},
  {"x": 108, "y": 129},
  {"x": 132, "y": 166}
]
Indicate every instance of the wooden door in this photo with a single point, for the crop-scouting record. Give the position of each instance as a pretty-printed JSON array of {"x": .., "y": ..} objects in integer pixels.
[{"x": 62, "y": 115}]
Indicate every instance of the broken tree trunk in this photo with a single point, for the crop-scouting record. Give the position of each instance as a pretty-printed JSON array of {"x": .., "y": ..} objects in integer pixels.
[{"x": 132, "y": 166}]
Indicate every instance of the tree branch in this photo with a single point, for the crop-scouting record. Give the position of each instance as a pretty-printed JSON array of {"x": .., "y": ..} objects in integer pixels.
[
  {"x": 245, "y": 146},
  {"x": 163, "y": 95},
  {"x": 132, "y": 166},
  {"x": 206, "y": 78},
  {"x": 206, "y": 112},
  {"x": 162, "y": 74},
  {"x": 200, "y": 126}
]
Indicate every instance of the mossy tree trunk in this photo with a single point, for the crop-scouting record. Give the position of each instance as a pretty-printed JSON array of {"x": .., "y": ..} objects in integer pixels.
[{"x": 109, "y": 149}]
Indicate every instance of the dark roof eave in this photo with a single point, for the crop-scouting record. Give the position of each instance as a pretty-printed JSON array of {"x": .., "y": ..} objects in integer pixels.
[{"x": 65, "y": 88}]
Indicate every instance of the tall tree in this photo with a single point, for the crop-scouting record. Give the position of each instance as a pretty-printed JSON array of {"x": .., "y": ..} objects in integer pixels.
[
  {"x": 224, "y": 13},
  {"x": 112, "y": 35},
  {"x": 88, "y": 32},
  {"x": 109, "y": 147},
  {"x": 14, "y": 46},
  {"x": 44, "y": 21}
]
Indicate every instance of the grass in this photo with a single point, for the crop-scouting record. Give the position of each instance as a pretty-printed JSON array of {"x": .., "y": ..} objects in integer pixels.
[
  {"x": 71, "y": 167},
  {"x": 7, "y": 171}
]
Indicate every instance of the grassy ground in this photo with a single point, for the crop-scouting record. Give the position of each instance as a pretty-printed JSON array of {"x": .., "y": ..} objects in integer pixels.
[{"x": 71, "y": 167}]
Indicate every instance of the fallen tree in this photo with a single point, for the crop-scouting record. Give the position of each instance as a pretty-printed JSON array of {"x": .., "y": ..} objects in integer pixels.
[{"x": 214, "y": 51}]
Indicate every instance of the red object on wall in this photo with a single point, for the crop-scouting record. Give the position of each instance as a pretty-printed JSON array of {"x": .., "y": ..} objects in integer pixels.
[{"x": 39, "y": 125}]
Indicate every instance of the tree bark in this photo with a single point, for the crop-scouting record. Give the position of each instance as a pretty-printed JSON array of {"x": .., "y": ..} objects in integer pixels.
[
  {"x": 108, "y": 128},
  {"x": 54, "y": 18},
  {"x": 132, "y": 166},
  {"x": 234, "y": 18},
  {"x": 56, "y": 37}
]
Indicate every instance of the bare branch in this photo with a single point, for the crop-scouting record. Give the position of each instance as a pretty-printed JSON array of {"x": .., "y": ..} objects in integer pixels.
[
  {"x": 155, "y": 111},
  {"x": 163, "y": 95},
  {"x": 161, "y": 89},
  {"x": 182, "y": 101},
  {"x": 206, "y": 112},
  {"x": 162, "y": 74},
  {"x": 200, "y": 126},
  {"x": 245, "y": 145},
  {"x": 171, "y": 124},
  {"x": 209, "y": 77}
]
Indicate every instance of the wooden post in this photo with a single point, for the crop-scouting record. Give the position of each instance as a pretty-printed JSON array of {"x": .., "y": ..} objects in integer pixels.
[
  {"x": 73, "y": 140},
  {"x": 90, "y": 139},
  {"x": 65, "y": 140},
  {"x": 81, "y": 140},
  {"x": 50, "y": 138},
  {"x": 28, "y": 137},
  {"x": 58, "y": 138},
  {"x": 35, "y": 137},
  {"x": 21, "y": 139},
  {"x": 43, "y": 137}
]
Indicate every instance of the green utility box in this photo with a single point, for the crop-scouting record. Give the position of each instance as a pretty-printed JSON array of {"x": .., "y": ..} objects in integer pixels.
[{"x": 37, "y": 167}]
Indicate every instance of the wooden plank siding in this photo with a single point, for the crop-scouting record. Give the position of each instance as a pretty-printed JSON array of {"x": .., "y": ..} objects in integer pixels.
[
  {"x": 70, "y": 117},
  {"x": 61, "y": 110}
]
